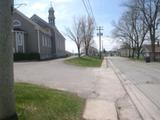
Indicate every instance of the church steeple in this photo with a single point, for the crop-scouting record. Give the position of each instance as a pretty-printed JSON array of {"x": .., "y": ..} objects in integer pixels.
[{"x": 51, "y": 17}]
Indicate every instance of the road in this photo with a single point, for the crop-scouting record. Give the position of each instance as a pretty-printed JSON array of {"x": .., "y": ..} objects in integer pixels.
[
  {"x": 58, "y": 75},
  {"x": 145, "y": 76}
]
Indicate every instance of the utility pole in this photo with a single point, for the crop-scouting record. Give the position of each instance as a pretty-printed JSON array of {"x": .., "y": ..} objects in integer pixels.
[
  {"x": 102, "y": 46},
  {"x": 7, "y": 99},
  {"x": 99, "y": 29}
]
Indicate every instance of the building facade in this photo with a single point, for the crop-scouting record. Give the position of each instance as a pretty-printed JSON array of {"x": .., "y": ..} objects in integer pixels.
[
  {"x": 34, "y": 35},
  {"x": 147, "y": 51}
]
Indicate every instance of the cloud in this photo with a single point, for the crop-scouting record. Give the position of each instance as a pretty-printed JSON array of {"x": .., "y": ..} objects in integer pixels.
[
  {"x": 108, "y": 42},
  {"x": 22, "y": 1},
  {"x": 39, "y": 6},
  {"x": 61, "y": 1},
  {"x": 71, "y": 46}
]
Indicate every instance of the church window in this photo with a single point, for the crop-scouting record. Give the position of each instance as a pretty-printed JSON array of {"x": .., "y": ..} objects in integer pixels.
[
  {"x": 19, "y": 38},
  {"x": 16, "y": 23},
  {"x": 43, "y": 40}
]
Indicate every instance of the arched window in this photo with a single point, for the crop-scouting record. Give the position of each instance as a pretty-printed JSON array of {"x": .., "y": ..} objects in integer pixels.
[{"x": 16, "y": 23}]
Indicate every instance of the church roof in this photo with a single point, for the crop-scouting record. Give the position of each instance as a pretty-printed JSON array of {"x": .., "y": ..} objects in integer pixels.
[
  {"x": 35, "y": 18},
  {"x": 40, "y": 21},
  {"x": 37, "y": 26},
  {"x": 25, "y": 17}
]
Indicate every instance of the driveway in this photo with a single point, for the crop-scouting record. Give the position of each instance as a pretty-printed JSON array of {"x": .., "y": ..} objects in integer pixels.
[
  {"x": 145, "y": 76},
  {"x": 56, "y": 74}
]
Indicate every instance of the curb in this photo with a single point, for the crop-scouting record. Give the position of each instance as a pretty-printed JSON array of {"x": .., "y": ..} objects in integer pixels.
[{"x": 146, "y": 109}]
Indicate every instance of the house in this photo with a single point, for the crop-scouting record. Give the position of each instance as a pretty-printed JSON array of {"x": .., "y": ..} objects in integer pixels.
[
  {"x": 92, "y": 51},
  {"x": 147, "y": 51},
  {"x": 68, "y": 53},
  {"x": 123, "y": 52},
  {"x": 34, "y": 35}
]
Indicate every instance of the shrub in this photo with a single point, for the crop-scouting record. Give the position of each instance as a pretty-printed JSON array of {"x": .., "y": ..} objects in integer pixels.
[{"x": 26, "y": 56}]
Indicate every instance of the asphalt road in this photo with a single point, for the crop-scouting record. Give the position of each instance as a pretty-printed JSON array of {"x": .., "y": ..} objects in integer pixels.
[
  {"x": 145, "y": 76},
  {"x": 58, "y": 75}
]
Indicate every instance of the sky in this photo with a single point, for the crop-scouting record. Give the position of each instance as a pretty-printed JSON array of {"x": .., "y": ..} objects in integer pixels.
[{"x": 105, "y": 12}]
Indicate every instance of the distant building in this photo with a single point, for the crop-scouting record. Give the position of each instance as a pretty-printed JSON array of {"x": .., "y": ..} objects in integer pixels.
[
  {"x": 147, "y": 51},
  {"x": 124, "y": 52},
  {"x": 68, "y": 53},
  {"x": 92, "y": 51},
  {"x": 34, "y": 35}
]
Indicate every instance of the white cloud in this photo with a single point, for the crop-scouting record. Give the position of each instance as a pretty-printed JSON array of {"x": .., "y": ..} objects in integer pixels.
[
  {"x": 39, "y": 6},
  {"x": 21, "y": 2},
  {"x": 62, "y": 1},
  {"x": 108, "y": 43},
  {"x": 71, "y": 46}
]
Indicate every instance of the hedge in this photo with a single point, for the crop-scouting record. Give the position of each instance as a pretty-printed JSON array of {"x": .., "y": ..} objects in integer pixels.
[{"x": 26, "y": 56}]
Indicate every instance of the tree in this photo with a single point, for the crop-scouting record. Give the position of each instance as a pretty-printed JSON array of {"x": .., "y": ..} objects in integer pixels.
[
  {"x": 7, "y": 102},
  {"x": 150, "y": 10},
  {"x": 75, "y": 34},
  {"x": 87, "y": 30},
  {"x": 123, "y": 30},
  {"x": 140, "y": 29},
  {"x": 132, "y": 28}
]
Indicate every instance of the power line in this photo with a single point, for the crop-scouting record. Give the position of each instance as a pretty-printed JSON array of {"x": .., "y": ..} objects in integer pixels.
[
  {"x": 84, "y": 3},
  {"x": 89, "y": 4},
  {"x": 89, "y": 10}
]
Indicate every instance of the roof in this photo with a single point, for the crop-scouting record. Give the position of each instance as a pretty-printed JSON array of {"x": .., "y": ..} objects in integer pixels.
[
  {"x": 57, "y": 31},
  {"x": 25, "y": 17},
  {"x": 147, "y": 48},
  {"x": 44, "y": 24},
  {"x": 29, "y": 20},
  {"x": 40, "y": 21}
]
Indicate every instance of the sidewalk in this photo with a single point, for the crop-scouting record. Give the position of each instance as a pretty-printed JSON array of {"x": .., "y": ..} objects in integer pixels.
[
  {"x": 147, "y": 108},
  {"x": 109, "y": 100}
]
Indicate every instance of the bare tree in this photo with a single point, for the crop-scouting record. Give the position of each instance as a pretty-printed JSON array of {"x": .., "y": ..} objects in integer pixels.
[
  {"x": 7, "y": 102},
  {"x": 82, "y": 33},
  {"x": 132, "y": 28},
  {"x": 123, "y": 30},
  {"x": 150, "y": 10},
  {"x": 87, "y": 31},
  {"x": 140, "y": 29},
  {"x": 75, "y": 34}
]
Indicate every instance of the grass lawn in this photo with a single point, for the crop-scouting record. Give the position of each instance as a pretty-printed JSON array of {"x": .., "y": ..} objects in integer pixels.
[
  {"x": 85, "y": 61},
  {"x": 39, "y": 103}
]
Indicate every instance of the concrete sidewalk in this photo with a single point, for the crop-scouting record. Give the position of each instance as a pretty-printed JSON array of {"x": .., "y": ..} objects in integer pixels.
[
  {"x": 147, "y": 108},
  {"x": 109, "y": 100}
]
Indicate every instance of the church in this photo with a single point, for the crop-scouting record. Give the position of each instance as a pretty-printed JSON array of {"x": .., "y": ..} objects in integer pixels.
[{"x": 35, "y": 35}]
